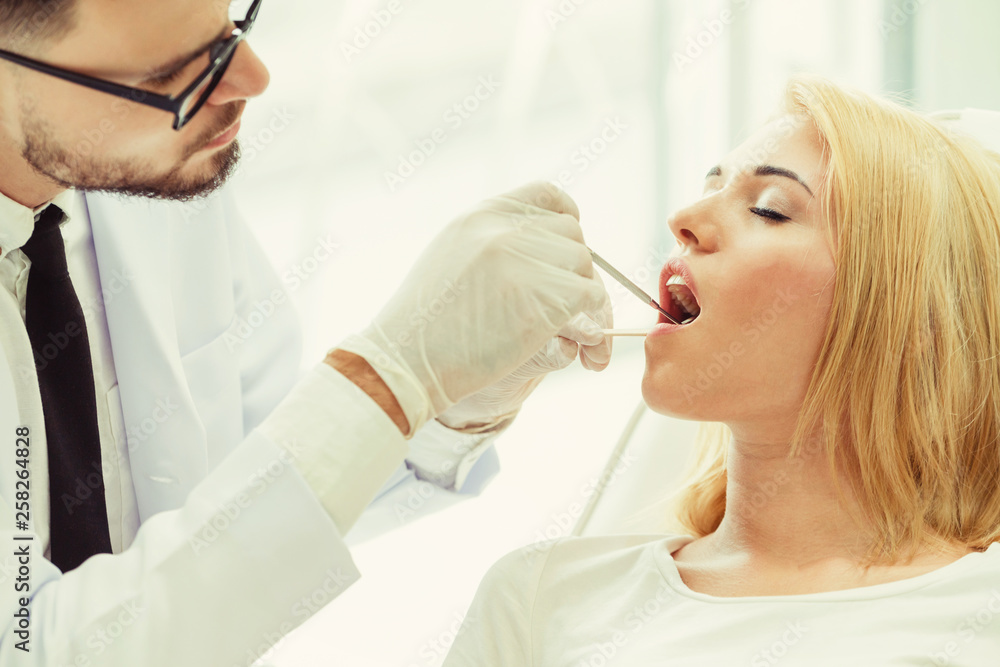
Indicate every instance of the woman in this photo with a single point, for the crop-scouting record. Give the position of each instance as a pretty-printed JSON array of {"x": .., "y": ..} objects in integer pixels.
[{"x": 848, "y": 258}]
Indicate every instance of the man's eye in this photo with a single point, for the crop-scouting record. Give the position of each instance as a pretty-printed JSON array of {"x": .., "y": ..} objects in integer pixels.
[
  {"x": 166, "y": 79},
  {"x": 768, "y": 213}
]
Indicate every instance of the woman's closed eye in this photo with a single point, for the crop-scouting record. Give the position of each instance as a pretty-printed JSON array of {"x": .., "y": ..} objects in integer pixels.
[{"x": 771, "y": 216}]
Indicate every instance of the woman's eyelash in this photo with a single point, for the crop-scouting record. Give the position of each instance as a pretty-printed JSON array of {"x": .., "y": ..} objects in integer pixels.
[{"x": 768, "y": 213}]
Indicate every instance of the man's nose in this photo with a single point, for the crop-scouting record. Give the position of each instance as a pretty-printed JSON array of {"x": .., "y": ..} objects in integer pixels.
[{"x": 246, "y": 77}]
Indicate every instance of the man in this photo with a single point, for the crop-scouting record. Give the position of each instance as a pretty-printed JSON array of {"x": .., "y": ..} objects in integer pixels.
[{"x": 130, "y": 394}]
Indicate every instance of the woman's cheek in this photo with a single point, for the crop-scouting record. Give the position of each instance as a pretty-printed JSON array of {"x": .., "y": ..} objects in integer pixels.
[{"x": 751, "y": 334}]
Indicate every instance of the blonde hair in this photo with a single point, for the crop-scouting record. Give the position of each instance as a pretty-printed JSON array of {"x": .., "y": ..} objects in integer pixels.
[{"x": 906, "y": 386}]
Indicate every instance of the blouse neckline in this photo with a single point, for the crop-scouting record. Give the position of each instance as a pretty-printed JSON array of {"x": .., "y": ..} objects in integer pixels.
[{"x": 668, "y": 568}]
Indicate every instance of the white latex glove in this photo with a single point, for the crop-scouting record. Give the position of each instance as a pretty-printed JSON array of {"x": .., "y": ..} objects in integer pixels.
[
  {"x": 490, "y": 291},
  {"x": 501, "y": 401}
]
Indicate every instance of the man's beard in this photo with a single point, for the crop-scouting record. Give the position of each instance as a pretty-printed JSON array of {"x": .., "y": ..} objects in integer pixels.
[{"x": 131, "y": 177}]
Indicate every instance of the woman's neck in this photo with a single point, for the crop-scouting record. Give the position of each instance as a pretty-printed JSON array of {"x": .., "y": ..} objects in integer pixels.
[{"x": 786, "y": 511}]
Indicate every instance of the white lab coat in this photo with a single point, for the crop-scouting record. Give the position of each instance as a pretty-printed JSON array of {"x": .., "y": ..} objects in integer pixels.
[{"x": 183, "y": 593}]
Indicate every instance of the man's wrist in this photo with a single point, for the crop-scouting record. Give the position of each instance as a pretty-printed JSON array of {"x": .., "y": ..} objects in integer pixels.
[{"x": 356, "y": 369}]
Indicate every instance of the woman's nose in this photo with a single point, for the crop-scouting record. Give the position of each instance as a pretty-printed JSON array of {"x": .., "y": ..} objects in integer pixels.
[
  {"x": 246, "y": 77},
  {"x": 694, "y": 225}
]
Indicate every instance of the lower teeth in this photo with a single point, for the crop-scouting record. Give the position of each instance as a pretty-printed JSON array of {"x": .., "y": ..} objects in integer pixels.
[{"x": 690, "y": 319}]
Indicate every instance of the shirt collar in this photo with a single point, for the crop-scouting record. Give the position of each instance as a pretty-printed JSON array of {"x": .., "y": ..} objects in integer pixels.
[{"x": 17, "y": 221}]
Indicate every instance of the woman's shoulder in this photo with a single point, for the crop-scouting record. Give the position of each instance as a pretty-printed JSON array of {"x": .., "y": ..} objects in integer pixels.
[
  {"x": 602, "y": 547},
  {"x": 582, "y": 556},
  {"x": 599, "y": 546}
]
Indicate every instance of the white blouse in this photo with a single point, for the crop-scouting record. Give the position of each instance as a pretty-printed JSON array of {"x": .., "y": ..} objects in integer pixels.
[{"x": 620, "y": 600}]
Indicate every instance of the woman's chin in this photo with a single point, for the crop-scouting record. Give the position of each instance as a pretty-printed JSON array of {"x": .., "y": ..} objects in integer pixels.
[{"x": 666, "y": 399}]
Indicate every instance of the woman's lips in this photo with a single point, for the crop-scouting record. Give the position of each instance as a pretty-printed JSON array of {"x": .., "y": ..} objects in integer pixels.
[{"x": 664, "y": 327}]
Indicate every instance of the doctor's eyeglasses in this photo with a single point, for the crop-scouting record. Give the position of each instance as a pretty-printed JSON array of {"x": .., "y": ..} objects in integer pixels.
[{"x": 186, "y": 104}]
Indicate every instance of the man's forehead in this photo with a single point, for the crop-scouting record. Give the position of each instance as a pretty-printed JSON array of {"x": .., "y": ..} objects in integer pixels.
[{"x": 131, "y": 36}]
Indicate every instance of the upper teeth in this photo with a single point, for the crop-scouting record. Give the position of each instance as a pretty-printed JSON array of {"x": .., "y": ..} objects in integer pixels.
[{"x": 676, "y": 279}]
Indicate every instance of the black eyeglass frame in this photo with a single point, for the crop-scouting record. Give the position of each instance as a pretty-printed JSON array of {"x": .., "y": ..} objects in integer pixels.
[{"x": 220, "y": 55}]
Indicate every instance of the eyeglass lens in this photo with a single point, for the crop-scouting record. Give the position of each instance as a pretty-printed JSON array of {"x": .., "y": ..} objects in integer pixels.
[{"x": 238, "y": 11}]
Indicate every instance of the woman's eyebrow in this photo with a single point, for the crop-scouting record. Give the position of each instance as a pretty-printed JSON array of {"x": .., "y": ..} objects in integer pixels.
[{"x": 766, "y": 170}]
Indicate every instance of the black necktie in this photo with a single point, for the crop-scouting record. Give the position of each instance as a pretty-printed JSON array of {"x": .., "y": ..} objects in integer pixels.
[{"x": 58, "y": 333}]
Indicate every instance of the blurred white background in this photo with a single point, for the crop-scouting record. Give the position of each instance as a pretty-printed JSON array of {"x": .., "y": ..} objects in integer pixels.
[{"x": 624, "y": 104}]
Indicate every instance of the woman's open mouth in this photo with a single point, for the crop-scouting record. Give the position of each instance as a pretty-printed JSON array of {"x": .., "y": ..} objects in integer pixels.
[
  {"x": 677, "y": 293},
  {"x": 682, "y": 299}
]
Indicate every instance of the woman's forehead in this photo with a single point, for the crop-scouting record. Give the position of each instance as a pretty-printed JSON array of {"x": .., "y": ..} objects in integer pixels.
[{"x": 790, "y": 142}]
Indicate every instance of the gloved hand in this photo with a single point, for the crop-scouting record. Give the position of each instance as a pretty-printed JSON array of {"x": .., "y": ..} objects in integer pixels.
[
  {"x": 501, "y": 401},
  {"x": 489, "y": 292}
]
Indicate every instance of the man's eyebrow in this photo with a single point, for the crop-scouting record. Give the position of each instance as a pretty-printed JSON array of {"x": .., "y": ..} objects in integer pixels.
[
  {"x": 766, "y": 170},
  {"x": 177, "y": 64}
]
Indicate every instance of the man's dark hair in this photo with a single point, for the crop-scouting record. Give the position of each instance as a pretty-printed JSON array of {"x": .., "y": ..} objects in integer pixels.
[{"x": 23, "y": 22}]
